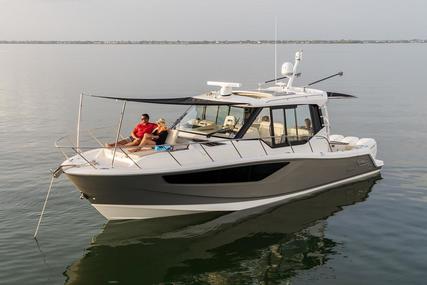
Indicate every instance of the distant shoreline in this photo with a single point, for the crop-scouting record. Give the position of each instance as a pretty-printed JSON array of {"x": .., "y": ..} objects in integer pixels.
[{"x": 222, "y": 42}]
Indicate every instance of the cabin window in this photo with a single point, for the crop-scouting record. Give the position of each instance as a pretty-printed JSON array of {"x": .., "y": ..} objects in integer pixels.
[
  {"x": 260, "y": 127},
  {"x": 304, "y": 122},
  {"x": 299, "y": 126},
  {"x": 291, "y": 126},
  {"x": 317, "y": 116},
  {"x": 286, "y": 125},
  {"x": 279, "y": 126}
]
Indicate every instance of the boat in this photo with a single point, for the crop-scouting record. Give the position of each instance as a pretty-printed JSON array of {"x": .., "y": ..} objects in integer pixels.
[{"x": 231, "y": 150}]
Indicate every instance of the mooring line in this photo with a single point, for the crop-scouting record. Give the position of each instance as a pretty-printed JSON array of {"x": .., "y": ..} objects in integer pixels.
[{"x": 44, "y": 206}]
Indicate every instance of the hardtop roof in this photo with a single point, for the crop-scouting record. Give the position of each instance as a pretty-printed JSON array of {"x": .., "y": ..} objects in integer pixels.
[
  {"x": 269, "y": 97},
  {"x": 243, "y": 98}
]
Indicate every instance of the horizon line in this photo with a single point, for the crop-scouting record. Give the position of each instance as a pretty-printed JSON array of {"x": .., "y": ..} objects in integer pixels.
[{"x": 183, "y": 42}]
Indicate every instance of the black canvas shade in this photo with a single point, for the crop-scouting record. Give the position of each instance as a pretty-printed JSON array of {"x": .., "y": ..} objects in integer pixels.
[
  {"x": 335, "y": 95},
  {"x": 172, "y": 101}
]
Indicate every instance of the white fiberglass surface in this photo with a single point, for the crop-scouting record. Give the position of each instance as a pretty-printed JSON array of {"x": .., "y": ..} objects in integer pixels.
[{"x": 214, "y": 155}]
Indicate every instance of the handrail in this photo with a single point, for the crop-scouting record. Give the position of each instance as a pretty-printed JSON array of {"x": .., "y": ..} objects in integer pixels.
[
  {"x": 238, "y": 152},
  {"x": 90, "y": 132},
  {"x": 174, "y": 158},
  {"x": 76, "y": 150},
  {"x": 201, "y": 145},
  {"x": 127, "y": 155},
  {"x": 199, "y": 142},
  {"x": 325, "y": 138},
  {"x": 187, "y": 145},
  {"x": 94, "y": 137}
]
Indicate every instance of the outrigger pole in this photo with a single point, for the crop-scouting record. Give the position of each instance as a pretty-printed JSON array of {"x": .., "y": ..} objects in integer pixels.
[
  {"x": 275, "y": 50},
  {"x": 78, "y": 121},
  {"x": 325, "y": 78}
]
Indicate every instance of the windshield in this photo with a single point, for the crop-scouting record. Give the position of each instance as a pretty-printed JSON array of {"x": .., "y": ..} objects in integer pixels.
[{"x": 222, "y": 121}]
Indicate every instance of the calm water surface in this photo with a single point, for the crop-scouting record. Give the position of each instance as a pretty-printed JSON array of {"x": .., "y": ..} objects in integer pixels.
[{"x": 372, "y": 232}]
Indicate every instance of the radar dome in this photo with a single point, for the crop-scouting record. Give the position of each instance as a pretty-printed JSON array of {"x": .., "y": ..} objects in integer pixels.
[{"x": 287, "y": 69}]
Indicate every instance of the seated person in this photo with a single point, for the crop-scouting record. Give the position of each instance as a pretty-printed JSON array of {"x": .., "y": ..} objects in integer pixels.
[
  {"x": 308, "y": 129},
  {"x": 157, "y": 137},
  {"x": 307, "y": 126},
  {"x": 307, "y": 122},
  {"x": 265, "y": 119},
  {"x": 137, "y": 134}
]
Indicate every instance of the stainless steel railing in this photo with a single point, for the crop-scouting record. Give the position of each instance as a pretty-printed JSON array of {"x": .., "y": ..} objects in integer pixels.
[{"x": 262, "y": 140}]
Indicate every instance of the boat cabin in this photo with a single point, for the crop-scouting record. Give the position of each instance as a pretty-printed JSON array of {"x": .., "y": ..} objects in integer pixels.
[{"x": 277, "y": 126}]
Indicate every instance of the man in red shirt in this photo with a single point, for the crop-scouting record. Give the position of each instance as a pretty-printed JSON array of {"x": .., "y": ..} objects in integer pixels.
[{"x": 142, "y": 128}]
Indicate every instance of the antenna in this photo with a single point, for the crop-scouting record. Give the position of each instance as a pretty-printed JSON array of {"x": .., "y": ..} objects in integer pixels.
[
  {"x": 298, "y": 58},
  {"x": 275, "y": 49}
]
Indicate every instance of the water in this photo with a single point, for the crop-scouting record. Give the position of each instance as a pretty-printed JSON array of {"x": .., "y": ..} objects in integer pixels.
[{"x": 373, "y": 232}]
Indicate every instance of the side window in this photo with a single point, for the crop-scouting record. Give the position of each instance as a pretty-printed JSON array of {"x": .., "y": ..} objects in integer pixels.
[
  {"x": 317, "y": 118},
  {"x": 299, "y": 124},
  {"x": 260, "y": 128},
  {"x": 291, "y": 126},
  {"x": 304, "y": 122},
  {"x": 279, "y": 126},
  {"x": 286, "y": 125}
]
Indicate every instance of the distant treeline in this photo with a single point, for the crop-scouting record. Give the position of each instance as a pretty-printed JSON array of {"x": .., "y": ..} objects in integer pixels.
[{"x": 251, "y": 42}]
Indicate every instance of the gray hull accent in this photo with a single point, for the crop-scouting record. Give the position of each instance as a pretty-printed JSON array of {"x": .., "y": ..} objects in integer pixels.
[{"x": 298, "y": 175}]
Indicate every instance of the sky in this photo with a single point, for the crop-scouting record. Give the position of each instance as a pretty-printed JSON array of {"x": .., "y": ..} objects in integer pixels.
[{"x": 211, "y": 20}]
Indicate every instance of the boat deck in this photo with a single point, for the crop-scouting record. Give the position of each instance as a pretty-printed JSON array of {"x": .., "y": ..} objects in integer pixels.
[{"x": 215, "y": 153}]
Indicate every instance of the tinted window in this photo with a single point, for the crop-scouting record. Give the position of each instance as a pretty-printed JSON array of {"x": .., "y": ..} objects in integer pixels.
[
  {"x": 304, "y": 122},
  {"x": 291, "y": 125},
  {"x": 279, "y": 126},
  {"x": 260, "y": 128},
  {"x": 287, "y": 124},
  {"x": 301, "y": 123}
]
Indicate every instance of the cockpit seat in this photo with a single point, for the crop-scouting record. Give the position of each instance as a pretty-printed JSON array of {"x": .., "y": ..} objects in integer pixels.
[
  {"x": 172, "y": 137},
  {"x": 264, "y": 130},
  {"x": 336, "y": 138},
  {"x": 351, "y": 141}
]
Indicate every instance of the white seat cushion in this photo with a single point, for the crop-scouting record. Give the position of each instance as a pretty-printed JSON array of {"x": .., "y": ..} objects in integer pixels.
[
  {"x": 336, "y": 138},
  {"x": 352, "y": 141}
]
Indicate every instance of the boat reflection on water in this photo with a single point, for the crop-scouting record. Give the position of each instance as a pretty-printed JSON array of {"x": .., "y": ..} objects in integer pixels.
[{"x": 257, "y": 245}]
